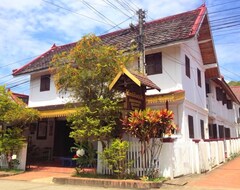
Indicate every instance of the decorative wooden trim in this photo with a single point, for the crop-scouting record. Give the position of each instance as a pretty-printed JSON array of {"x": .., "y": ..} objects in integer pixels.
[{"x": 162, "y": 98}]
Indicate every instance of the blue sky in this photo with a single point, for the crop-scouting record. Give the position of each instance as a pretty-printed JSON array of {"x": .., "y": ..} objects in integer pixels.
[{"x": 30, "y": 27}]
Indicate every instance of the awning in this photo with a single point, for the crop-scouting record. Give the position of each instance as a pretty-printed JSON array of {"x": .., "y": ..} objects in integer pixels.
[{"x": 56, "y": 113}]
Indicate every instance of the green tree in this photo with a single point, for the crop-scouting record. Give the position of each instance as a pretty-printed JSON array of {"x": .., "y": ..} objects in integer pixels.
[
  {"x": 86, "y": 71},
  {"x": 234, "y": 83},
  {"x": 14, "y": 118}
]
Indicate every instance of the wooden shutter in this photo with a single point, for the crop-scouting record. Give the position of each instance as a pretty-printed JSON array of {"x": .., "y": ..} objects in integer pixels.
[
  {"x": 45, "y": 83},
  {"x": 190, "y": 126},
  {"x": 187, "y": 67},
  {"x": 202, "y": 129}
]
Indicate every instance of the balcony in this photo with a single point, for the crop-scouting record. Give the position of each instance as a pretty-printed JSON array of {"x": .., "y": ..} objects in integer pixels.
[{"x": 217, "y": 109}]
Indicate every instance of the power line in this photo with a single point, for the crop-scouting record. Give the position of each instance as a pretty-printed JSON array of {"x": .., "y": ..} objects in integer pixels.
[
  {"x": 223, "y": 3},
  {"x": 99, "y": 13},
  {"x": 115, "y": 7},
  {"x": 18, "y": 61},
  {"x": 124, "y": 6},
  {"x": 224, "y": 10},
  {"x": 71, "y": 11}
]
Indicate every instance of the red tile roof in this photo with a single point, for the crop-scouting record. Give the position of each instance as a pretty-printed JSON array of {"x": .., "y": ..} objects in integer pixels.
[
  {"x": 158, "y": 32},
  {"x": 145, "y": 81},
  {"x": 221, "y": 82},
  {"x": 236, "y": 91}
]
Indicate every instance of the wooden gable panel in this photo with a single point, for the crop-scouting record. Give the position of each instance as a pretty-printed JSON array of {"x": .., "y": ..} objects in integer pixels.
[
  {"x": 207, "y": 51},
  {"x": 204, "y": 33},
  {"x": 212, "y": 73}
]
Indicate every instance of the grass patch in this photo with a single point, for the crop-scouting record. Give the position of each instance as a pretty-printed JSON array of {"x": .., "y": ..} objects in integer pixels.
[
  {"x": 129, "y": 176},
  {"x": 157, "y": 179},
  {"x": 14, "y": 171},
  {"x": 93, "y": 175}
]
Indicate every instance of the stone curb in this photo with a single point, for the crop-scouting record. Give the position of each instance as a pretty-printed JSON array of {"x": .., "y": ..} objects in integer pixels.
[{"x": 135, "y": 184}]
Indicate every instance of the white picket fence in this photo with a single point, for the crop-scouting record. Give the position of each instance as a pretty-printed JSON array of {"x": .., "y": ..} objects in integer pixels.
[{"x": 180, "y": 157}]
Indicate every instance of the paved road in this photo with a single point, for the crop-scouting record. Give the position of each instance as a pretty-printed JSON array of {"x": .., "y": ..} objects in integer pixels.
[
  {"x": 225, "y": 177},
  {"x": 29, "y": 185}
]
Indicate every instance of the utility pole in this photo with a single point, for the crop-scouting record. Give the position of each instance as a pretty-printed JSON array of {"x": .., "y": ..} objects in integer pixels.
[{"x": 141, "y": 41}]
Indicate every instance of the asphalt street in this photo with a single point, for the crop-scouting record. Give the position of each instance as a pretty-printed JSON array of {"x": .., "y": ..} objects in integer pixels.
[{"x": 28, "y": 185}]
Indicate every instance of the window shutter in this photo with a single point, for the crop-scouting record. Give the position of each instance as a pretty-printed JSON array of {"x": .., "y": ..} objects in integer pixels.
[
  {"x": 229, "y": 104},
  {"x": 215, "y": 131},
  {"x": 45, "y": 83},
  {"x": 202, "y": 129},
  {"x": 199, "y": 78},
  {"x": 154, "y": 63},
  {"x": 187, "y": 67},
  {"x": 210, "y": 131},
  {"x": 190, "y": 126},
  {"x": 221, "y": 131}
]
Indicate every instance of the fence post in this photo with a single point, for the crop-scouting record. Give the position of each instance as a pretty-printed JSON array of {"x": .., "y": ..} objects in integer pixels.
[
  {"x": 22, "y": 157},
  {"x": 99, "y": 161}
]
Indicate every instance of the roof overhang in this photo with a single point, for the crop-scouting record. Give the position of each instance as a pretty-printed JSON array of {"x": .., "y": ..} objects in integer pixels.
[
  {"x": 221, "y": 82},
  {"x": 126, "y": 78},
  {"x": 207, "y": 49}
]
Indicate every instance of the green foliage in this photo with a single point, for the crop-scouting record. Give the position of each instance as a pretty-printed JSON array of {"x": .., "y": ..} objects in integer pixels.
[
  {"x": 148, "y": 124},
  {"x": 115, "y": 157},
  {"x": 88, "y": 157},
  {"x": 15, "y": 114},
  {"x": 234, "y": 83},
  {"x": 95, "y": 122},
  {"x": 233, "y": 156},
  {"x": 11, "y": 140},
  {"x": 14, "y": 117},
  {"x": 86, "y": 71}
]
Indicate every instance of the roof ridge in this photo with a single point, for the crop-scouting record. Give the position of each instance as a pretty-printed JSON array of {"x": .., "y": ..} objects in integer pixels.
[
  {"x": 153, "y": 21},
  {"x": 43, "y": 54},
  {"x": 172, "y": 16},
  {"x": 196, "y": 14}
]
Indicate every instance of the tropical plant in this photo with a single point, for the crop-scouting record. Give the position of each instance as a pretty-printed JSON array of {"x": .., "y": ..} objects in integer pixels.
[
  {"x": 149, "y": 126},
  {"x": 115, "y": 157},
  {"x": 85, "y": 155}
]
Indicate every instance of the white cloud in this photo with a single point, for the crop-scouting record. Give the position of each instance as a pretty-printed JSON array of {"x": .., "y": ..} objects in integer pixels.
[{"x": 30, "y": 27}]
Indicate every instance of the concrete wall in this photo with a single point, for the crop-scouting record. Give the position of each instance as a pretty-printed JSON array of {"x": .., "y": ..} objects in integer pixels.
[
  {"x": 45, "y": 98},
  {"x": 194, "y": 93},
  {"x": 170, "y": 78}
]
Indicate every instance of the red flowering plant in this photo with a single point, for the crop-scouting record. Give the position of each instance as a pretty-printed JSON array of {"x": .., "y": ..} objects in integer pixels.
[{"x": 149, "y": 126}]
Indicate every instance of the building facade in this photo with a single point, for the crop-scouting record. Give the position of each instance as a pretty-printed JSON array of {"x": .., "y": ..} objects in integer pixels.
[{"x": 181, "y": 60}]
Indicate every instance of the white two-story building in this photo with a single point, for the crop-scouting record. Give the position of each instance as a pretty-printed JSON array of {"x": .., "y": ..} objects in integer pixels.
[{"x": 181, "y": 60}]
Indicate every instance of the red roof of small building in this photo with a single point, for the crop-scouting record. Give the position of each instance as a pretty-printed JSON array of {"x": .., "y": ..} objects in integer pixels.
[
  {"x": 236, "y": 91},
  {"x": 158, "y": 32},
  {"x": 18, "y": 98}
]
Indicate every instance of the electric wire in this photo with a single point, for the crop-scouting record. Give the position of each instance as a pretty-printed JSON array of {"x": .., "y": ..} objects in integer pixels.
[
  {"x": 10, "y": 75},
  {"x": 99, "y": 13},
  {"x": 116, "y": 8},
  {"x": 71, "y": 11}
]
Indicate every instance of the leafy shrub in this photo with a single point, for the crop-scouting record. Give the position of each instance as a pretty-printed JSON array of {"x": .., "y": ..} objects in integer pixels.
[{"x": 115, "y": 157}]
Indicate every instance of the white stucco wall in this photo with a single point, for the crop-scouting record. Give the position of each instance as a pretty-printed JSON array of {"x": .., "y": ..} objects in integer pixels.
[
  {"x": 193, "y": 92},
  {"x": 198, "y": 114},
  {"x": 217, "y": 109},
  {"x": 170, "y": 78},
  {"x": 45, "y": 98}
]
